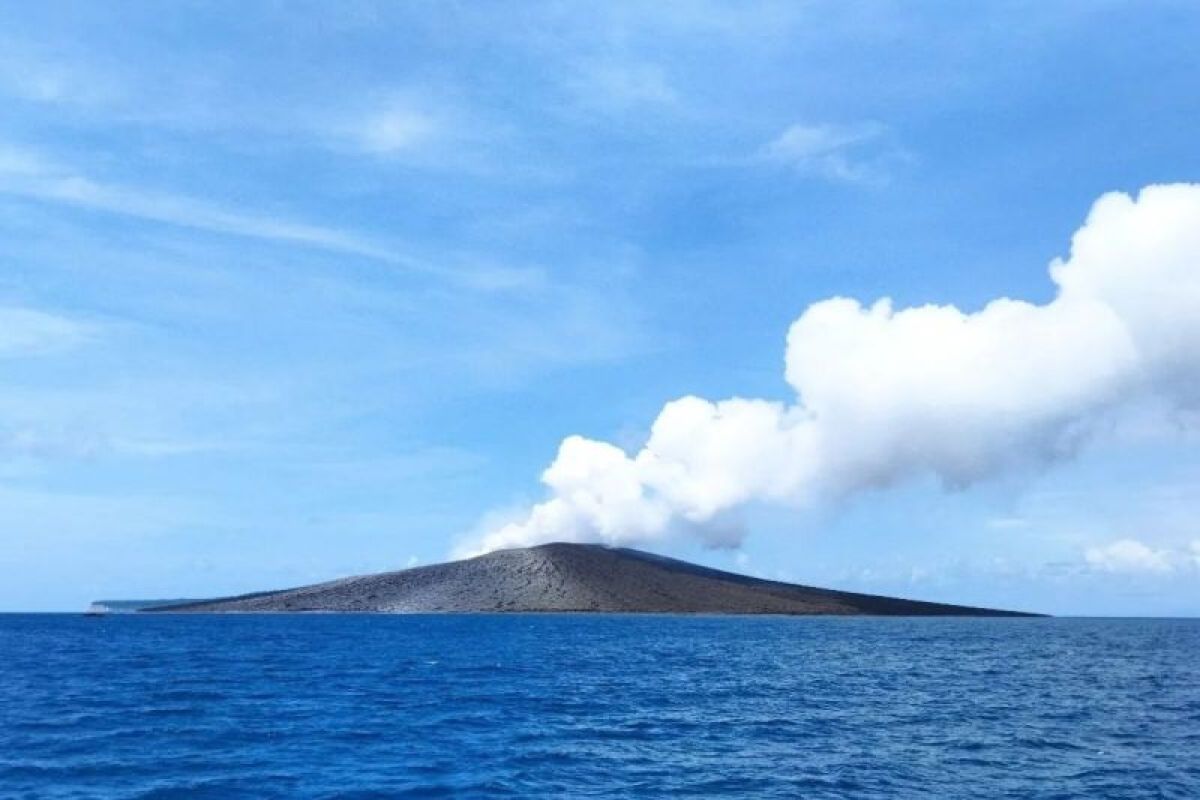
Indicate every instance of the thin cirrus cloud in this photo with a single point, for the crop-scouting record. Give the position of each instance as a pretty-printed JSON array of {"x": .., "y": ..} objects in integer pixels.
[
  {"x": 31, "y": 332},
  {"x": 864, "y": 152},
  {"x": 432, "y": 129},
  {"x": 396, "y": 124},
  {"x": 30, "y": 175},
  {"x": 884, "y": 395},
  {"x": 395, "y": 129},
  {"x": 616, "y": 86},
  {"x": 32, "y": 75}
]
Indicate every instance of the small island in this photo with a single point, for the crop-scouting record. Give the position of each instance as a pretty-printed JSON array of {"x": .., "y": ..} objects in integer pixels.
[{"x": 564, "y": 577}]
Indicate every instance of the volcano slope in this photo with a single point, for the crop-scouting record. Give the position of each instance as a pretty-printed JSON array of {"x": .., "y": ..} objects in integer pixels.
[{"x": 570, "y": 577}]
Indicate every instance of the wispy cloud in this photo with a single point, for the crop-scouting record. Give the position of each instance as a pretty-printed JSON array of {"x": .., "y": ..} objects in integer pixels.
[
  {"x": 32, "y": 75},
  {"x": 63, "y": 444},
  {"x": 28, "y": 332},
  {"x": 860, "y": 153},
  {"x": 423, "y": 127},
  {"x": 614, "y": 85},
  {"x": 1007, "y": 523},
  {"x": 30, "y": 175},
  {"x": 395, "y": 129},
  {"x": 1129, "y": 556},
  {"x": 27, "y": 174}
]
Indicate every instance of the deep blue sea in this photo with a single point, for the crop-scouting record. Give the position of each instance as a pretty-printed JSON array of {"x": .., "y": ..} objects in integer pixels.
[{"x": 597, "y": 706}]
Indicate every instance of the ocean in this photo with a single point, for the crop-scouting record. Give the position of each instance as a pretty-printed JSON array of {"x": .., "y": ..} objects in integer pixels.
[{"x": 597, "y": 706}]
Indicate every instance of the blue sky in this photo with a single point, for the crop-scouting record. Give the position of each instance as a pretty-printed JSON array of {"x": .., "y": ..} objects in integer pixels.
[{"x": 294, "y": 291}]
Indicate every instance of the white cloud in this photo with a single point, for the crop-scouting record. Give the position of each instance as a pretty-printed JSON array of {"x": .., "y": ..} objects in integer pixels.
[
  {"x": 1128, "y": 556},
  {"x": 30, "y": 175},
  {"x": 25, "y": 174},
  {"x": 860, "y": 153},
  {"x": 1007, "y": 523},
  {"x": 26, "y": 332},
  {"x": 885, "y": 394},
  {"x": 394, "y": 129}
]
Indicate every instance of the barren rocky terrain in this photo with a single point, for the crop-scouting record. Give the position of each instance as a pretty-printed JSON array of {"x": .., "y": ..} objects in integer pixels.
[{"x": 570, "y": 577}]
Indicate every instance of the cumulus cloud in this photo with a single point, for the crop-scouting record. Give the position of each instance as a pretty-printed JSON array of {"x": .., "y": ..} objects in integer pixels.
[
  {"x": 1128, "y": 556},
  {"x": 886, "y": 394}
]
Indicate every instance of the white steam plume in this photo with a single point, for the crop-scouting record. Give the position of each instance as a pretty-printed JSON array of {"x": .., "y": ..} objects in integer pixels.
[{"x": 885, "y": 394}]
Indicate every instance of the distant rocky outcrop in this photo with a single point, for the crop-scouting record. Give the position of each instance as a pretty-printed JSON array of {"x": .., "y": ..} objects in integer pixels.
[{"x": 569, "y": 577}]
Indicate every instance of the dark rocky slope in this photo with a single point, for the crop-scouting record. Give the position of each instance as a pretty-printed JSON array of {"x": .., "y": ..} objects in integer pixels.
[{"x": 571, "y": 577}]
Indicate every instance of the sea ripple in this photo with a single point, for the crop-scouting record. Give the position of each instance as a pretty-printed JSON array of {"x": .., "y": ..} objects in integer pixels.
[{"x": 597, "y": 706}]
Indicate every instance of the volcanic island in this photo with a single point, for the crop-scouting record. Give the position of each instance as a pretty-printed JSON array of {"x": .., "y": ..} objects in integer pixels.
[{"x": 559, "y": 577}]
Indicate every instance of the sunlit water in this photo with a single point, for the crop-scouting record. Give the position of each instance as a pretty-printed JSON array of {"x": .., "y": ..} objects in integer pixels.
[{"x": 575, "y": 705}]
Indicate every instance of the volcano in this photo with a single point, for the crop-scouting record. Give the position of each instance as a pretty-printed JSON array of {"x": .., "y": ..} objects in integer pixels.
[{"x": 565, "y": 577}]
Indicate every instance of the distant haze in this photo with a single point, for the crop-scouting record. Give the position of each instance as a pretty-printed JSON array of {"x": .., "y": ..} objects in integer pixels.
[{"x": 884, "y": 395}]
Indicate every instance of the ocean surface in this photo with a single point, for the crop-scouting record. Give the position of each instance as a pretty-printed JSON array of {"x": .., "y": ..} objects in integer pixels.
[{"x": 597, "y": 706}]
